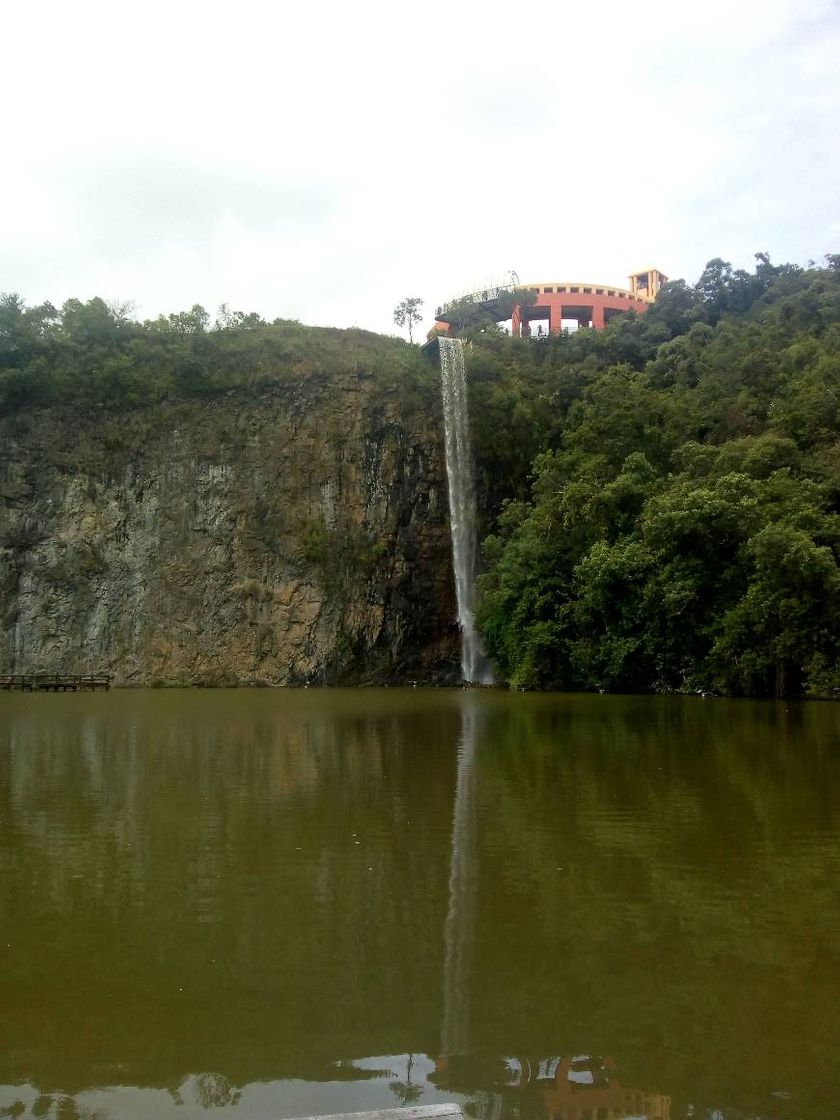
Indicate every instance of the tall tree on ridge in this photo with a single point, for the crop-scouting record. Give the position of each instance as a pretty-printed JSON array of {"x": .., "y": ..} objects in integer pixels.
[{"x": 407, "y": 313}]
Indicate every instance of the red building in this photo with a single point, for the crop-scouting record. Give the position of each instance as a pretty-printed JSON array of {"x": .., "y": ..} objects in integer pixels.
[{"x": 559, "y": 305}]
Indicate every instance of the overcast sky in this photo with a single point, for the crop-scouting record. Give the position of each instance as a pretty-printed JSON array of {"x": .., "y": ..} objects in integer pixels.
[{"x": 322, "y": 161}]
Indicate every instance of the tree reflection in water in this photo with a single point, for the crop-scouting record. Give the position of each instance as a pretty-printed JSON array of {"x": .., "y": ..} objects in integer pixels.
[
  {"x": 578, "y": 1087},
  {"x": 260, "y": 885}
]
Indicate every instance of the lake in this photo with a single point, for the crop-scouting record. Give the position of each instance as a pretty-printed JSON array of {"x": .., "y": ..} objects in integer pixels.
[{"x": 270, "y": 903}]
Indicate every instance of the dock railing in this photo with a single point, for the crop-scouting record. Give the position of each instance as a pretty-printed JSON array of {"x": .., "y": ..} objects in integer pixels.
[{"x": 55, "y": 682}]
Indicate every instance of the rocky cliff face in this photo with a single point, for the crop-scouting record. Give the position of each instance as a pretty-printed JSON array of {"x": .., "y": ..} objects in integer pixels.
[{"x": 294, "y": 533}]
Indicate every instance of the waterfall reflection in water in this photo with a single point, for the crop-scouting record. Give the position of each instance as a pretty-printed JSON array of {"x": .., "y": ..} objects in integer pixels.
[
  {"x": 225, "y": 898},
  {"x": 460, "y": 915}
]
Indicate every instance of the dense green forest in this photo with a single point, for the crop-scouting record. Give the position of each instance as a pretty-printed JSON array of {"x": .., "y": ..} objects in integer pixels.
[
  {"x": 660, "y": 499},
  {"x": 665, "y": 493}
]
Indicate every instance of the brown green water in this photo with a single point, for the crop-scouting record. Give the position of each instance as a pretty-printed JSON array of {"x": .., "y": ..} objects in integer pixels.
[{"x": 276, "y": 903}]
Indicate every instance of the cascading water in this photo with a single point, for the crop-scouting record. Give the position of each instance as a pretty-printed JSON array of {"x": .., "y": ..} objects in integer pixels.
[{"x": 462, "y": 510}]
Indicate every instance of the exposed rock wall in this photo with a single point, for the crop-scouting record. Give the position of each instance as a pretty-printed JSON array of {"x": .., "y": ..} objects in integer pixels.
[{"x": 299, "y": 533}]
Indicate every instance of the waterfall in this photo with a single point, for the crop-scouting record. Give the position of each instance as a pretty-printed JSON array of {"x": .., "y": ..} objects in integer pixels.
[{"x": 462, "y": 509}]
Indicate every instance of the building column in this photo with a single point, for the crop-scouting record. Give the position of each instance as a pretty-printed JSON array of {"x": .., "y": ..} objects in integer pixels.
[
  {"x": 598, "y": 321},
  {"x": 555, "y": 317},
  {"x": 516, "y": 321}
]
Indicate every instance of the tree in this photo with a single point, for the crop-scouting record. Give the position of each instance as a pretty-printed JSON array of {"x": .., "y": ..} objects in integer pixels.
[
  {"x": 787, "y": 615},
  {"x": 406, "y": 1091},
  {"x": 407, "y": 313},
  {"x": 12, "y": 310},
  {"x": 472, "y": 314}
]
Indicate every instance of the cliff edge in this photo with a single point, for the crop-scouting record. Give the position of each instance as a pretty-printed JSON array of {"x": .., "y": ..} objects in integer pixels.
[{"x": 289, "y": 529}]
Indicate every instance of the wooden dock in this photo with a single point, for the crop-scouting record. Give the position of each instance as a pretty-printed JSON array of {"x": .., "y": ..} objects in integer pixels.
[{"x": 55, "y": 682}]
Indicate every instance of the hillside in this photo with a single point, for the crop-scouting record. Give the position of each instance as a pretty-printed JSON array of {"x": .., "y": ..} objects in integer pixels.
[
  {"x": 255, "y": 503},
  {"x": 266, "y": 503},
  {"x": 666, "y": 492}
]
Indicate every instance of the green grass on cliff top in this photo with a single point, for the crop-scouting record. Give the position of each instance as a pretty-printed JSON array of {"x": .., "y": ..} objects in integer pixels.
[{"x": 91, "y": 354}]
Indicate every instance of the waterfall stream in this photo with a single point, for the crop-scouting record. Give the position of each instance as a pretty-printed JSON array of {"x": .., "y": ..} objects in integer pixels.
[{"x": 462, "y": 509}]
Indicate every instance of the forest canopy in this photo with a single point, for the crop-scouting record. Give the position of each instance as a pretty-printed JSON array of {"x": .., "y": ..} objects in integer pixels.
[
  {"x": 666, "y": 493},
  {"x": 94, "y": 354}
]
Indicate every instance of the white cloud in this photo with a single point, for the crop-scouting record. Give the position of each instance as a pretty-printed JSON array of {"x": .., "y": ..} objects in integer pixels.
[{"x": 325, "y": 161}]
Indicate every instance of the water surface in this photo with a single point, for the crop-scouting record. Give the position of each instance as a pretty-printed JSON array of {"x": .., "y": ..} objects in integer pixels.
[{"x": 274, "y": 903}]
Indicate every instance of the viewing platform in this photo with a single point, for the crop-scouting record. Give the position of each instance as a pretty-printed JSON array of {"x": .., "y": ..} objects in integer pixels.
[
  {"x": 555, "y": 306},
  {"x": 55, "y": 682}
]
